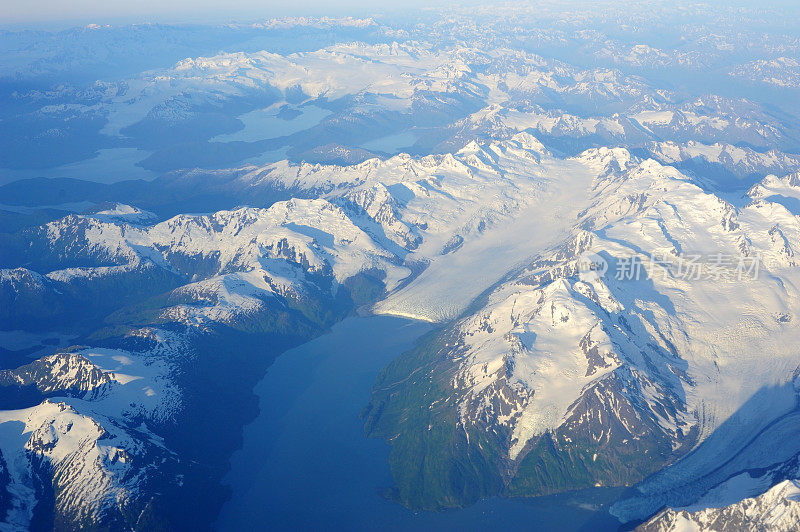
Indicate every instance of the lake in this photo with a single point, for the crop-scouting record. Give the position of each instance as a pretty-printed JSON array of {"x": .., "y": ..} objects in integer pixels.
[
  {"x": 274, "y": 121},
  {"x": 306, "y": 463}
]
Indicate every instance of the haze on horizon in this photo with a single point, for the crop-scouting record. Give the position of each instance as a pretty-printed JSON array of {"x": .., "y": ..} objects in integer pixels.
[
  {"x": 54, "y": 13},
  {"x": 39, "y": 12}
]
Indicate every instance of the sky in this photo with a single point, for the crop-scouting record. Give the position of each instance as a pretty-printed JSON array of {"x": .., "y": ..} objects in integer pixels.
[
  {"x": 32, "y": 13},
  {"x": 86, "y": 11}
]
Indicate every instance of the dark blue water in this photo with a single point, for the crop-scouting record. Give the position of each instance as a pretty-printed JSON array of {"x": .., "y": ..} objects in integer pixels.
[{"x": 306, "y": 463}]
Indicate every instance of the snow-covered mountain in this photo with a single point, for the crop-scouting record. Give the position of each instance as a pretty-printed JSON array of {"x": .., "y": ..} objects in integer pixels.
[
  {"x": 283, "y": 270},
  {"x": 775, "y": 509},
  {"x": 781, "y": 71},
  {"x": 618, "y": 376},
  {"x": 742, "y": 163},
  {"x": 561, "y": 365}
]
